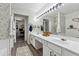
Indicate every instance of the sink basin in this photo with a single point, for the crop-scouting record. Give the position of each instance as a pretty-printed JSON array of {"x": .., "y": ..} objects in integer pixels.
[
  {"x": 60, "y": 40},
  {"x": 63, "y": 39}
]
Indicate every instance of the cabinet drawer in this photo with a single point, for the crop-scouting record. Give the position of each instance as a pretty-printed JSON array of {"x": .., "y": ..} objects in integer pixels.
[
  {"x": 54, "y": 47},
  {"x": 45, "y": 42},
  {"x": 38, "y": 39}
]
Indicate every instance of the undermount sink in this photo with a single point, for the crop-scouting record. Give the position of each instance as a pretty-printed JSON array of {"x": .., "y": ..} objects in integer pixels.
[{"x": 63, "y": 39}]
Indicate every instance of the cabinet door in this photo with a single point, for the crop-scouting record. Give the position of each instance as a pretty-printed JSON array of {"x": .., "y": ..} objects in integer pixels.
[
  {"x": 47, "y": 51},
  {"x": 54, "y": 47},
  {"x": 56, "y": 54},
  {"x": 32, "y": 41},
  {"x": 67, "y": 53}
]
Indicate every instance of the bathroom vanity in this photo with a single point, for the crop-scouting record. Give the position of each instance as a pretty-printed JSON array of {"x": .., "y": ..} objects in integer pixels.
[{"x": 54, "y": 46}]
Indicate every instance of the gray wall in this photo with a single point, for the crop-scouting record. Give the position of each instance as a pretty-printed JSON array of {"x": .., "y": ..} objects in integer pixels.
[{"x": 4, "y": 20}]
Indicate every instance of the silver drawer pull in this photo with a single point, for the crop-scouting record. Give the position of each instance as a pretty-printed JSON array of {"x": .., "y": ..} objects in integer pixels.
[
  {"x": 50, "y": 53},
  {"x": 54, "y": 54}
]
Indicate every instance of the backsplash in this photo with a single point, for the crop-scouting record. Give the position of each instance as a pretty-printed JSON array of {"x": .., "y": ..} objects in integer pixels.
[{"x": 4, "y": 20}]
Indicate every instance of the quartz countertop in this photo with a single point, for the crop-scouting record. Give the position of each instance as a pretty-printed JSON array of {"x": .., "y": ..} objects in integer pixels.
[{"x": 56, "y": 39}]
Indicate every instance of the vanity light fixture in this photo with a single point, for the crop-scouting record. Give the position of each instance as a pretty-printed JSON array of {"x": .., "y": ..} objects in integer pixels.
[
  {"x": 60, "y": 5},
  {"x": 50, "y": 9},
  {"x": 55, "y": 6}
]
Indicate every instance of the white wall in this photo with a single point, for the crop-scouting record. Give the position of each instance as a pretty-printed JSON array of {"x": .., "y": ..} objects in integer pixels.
[
  {"x": 72, "y": 32},
  {"x": 4, "y": 47},
  {"x": 26, "y": 30}
]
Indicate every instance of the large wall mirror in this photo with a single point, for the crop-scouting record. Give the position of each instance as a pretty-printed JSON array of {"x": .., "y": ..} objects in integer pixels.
[
  {"x": 46, "y": 25},
  {"x": 49, "y": 23}
]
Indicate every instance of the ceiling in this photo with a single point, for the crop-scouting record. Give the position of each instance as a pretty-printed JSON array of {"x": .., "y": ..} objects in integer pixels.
[
  {"x": 29, "y": 7},
  {"x": 67, "y": 8},
  {"x": 37, "y": 7}
]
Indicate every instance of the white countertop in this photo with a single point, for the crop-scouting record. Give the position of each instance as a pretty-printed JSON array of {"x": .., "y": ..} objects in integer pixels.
[{"x": 56, "y": 39}]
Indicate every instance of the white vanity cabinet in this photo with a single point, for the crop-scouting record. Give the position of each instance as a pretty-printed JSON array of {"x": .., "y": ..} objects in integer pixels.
[
  {"x": 32, "y": 40},
  {"x": 51, "y": 50},
  {"x": 35, "y": 43}
]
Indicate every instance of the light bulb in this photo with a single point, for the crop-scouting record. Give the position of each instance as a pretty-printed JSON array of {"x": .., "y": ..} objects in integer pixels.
[
  {"x": 60, "y": 5},
  {"x": 55, "y": 4}
]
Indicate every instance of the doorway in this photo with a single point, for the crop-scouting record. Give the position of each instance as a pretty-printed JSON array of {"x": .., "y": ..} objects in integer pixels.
[
  {"x": 21, "y": 34},
  {"x": 20, "y": 30},
  {"x": 21, "y": 22}
]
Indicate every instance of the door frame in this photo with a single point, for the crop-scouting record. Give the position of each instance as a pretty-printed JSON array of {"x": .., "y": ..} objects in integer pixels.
[{"x": 26, "y": 27}]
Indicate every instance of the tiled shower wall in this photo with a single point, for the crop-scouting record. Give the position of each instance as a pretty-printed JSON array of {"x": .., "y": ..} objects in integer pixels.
[{"x": 4, "y": 20}]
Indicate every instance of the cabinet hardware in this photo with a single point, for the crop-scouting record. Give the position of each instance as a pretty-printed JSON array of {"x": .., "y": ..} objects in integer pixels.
[
  {"x": 54, "y": 54},
  {"x": 50, "y": 53}
]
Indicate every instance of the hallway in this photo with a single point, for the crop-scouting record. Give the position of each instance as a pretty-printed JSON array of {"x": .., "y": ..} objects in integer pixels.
[{"x": 21, "y": 48}]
